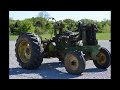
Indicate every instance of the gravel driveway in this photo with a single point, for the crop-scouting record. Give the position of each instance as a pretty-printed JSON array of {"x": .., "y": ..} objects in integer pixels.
[{"x": 53, "y": 69}]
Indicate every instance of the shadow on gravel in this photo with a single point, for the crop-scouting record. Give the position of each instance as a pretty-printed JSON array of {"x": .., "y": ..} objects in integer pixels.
[
  {"x": 50, "y": 71},
  {"x": 95, "y": 70},
  {"x": 46, "y": 71}
]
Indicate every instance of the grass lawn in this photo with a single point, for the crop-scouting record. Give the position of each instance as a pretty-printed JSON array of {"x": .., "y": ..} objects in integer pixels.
[
  {"x": 13, "y": 37},
  {"x": 99, "y": 36},
  {"x": 103, "y": 36}
]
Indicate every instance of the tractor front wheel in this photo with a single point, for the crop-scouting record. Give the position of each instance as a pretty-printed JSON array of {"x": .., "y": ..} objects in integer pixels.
[
  {"x": 74, "y": 62},
  {"x": 103, "y": 59}
]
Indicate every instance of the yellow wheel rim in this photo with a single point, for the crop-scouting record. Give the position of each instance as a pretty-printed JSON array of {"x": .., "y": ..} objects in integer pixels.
[
  {"x": 102, "y": 58},
  {"x": 72, "y": 62},
  {"x": 24, "y": 51}
]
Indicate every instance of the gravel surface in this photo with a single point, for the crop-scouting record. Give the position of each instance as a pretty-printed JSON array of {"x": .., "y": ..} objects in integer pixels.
[{"x": 51, "y": 68}]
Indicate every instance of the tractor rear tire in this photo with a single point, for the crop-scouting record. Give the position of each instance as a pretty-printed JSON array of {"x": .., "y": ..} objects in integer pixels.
[
  {"x": 105, "y": 59},
  {"x": 29, "y": 51},
  {"x": 74, "y": 62}
]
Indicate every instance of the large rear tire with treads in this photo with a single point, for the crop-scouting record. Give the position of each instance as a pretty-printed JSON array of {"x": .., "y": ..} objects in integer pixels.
[{"x": 29, "y": 51}]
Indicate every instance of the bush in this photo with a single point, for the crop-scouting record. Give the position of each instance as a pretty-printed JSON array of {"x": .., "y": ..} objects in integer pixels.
[
  {"x": 40, "y": 26},
  {"x": 106, "y": 28},
  {"x": 25, "y": 26},
  {"x": 38, "y": 31}
]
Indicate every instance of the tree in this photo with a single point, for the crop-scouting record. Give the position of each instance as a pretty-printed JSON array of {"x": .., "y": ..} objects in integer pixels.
[
  {"x": 38, "y": 31},
  {"x": 40, "y": 26},
  {"x": 99, "y": 26},
  {"x": 68, "y": 21},
  {"x": 39, "y": 22},
  {"x": 13, "y": 25},
  {"x": 71, "y": 24},
  {"x": 49, "y": 27},
  {"x": 106, "y": 28},
  {"x": 44, "y": 14},
  {"x": 87, "y": 21},
  {"x": 25, "y": 26}
]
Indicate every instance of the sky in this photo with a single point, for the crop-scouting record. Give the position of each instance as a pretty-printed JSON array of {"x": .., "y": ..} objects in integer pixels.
[{"x": 61, "y": 15}]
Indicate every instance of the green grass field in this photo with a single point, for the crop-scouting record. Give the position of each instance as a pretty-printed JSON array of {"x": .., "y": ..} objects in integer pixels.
[
  {"x": 103, "y": 36},
  {"x": 13, "y": 37},
  {"x": 99, "y": 36}
]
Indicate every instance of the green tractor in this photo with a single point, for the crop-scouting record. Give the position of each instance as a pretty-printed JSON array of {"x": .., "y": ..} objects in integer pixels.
[{"x": 72, "y": 49}]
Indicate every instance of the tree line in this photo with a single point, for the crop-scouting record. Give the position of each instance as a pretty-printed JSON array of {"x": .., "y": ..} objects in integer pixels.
[{"x": 40, "y": 25}]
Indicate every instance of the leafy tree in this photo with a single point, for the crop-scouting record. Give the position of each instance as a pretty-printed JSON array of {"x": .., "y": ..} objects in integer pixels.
[
  {"x": 106, "y": 25},
  {"x": 69, "y": 21},
  {"x": 25, "y": 26},
  {"x": 84, "y": 21},
  {"x": 49, "y": 27},
  {"x": 99, "y": 26},
  {"x": 71, "y": 24},
  {"x": 13, "y": 25},
  {"x": 87, "y": 21},
  {"x": 106, "y": 28},
  {"x": 38, "y": 31},
  {"x": 39, "y": 25}
]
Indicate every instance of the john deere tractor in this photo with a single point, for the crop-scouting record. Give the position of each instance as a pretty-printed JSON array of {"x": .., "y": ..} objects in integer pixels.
[{"x": 72, "y": 49}]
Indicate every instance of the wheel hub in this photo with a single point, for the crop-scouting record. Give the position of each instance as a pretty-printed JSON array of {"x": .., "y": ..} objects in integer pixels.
[
  {"x": 101, "y": 58},
  {"x": 24, "y": 51},
  {"x": 73, "y": 62}
]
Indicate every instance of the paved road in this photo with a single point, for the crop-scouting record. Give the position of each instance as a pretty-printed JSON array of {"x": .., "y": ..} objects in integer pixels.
[{"x": 53, "y": 69}]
